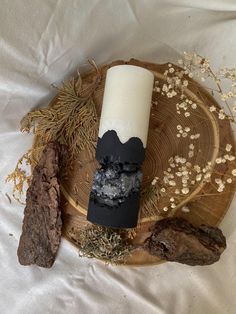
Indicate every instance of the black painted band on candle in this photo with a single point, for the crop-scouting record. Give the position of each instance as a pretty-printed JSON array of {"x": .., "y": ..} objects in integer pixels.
[
  {"x": 114, "y": 199},
  {"x": 111, "y": 150}
]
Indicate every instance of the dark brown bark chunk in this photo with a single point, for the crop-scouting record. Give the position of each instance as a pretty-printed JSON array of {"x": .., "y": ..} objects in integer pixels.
[
  {"x": 176, "y": 240},
  {"x": 41, "y": 231}
]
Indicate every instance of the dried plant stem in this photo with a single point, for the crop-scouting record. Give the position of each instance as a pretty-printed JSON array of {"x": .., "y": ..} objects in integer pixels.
[
  {"x": 211, "y": 194},
  {"x": 19, "y": 177},
  {"x": 220, "y": 90}
]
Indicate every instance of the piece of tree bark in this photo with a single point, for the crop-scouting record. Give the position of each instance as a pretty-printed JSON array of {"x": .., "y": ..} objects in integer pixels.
[
  {"x": 41, "y": 231},
  {"x": 176, "y": 240}
]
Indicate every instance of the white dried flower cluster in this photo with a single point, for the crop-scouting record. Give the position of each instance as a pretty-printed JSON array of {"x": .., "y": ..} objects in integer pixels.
[
  {"x": 156, "y": 88},
  {"x": 222, "y": 160},
  {"x": 189, "y": 174},
  {"x": 182, "y": 175},
  {"x": 175, "y": 170},
  {"x": 226, "y": 157},
  {"x": 195, "y": 136},
  {"x": 222, "y": 114},
  {"x": 182, "y": 131},
  {"x": 172, "y": 203},
  {"x": 203, "y": 174},
  {"x": 199, "y": 67},
  {"x": 195, "y": 66},
  {"x": 185, "y": 106},
  {"x": 228, "y": 73},
  {"x": 185, "y": 175},
  {"x": 154, "y": 181},
  {"x": 185, "y": 209},
  {"x": 230, "y": 95},
  {"x": 175, "y": 83},
  {"x": 191, "y": 150},
  {"x": 179, "y": 170},
  {"x": 220, "y": 184},
  {"x": 228, "y": 147},
  {"x": 167, "y": 89},
  {"x": 212, "y": 108}
]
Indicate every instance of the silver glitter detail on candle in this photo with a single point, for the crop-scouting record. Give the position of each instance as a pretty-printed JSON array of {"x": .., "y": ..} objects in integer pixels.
[{"x": 113, "y": 184}]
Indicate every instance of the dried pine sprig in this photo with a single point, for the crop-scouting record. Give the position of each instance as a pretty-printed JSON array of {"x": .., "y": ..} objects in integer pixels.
[
  {"x": 107, "y": 244},
  {"x": 19, "y": 177},
  {"x": 71, "y": 120}
]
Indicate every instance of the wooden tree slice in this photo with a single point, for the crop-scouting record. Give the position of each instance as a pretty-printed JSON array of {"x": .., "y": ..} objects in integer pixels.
[{"x": 162, "y": 144}]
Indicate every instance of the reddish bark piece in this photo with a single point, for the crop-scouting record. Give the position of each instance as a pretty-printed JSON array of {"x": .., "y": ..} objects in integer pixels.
[
  {"x": 41, "y": 231},
  {"x": 176, "y": 240}
]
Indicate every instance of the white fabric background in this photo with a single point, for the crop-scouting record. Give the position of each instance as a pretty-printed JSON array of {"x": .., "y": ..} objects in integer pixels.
[{"x": 42, "y": 42}]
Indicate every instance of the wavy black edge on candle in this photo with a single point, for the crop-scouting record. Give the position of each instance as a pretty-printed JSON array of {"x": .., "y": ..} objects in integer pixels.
[
  {"x": 111, "y": 150},
  {"x": 123, "y": 216}
]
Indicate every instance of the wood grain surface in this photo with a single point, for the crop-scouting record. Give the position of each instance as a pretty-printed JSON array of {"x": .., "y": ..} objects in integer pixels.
[{"x": 162, "y": 144}]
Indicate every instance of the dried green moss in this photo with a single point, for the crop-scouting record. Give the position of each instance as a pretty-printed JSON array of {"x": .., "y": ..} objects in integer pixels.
[{"x": 108, "y": 244}]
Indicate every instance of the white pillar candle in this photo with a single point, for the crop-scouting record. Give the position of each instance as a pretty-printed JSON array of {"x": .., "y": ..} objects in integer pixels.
[
  {"x": 114, "y": 199},
  {"x": 127, "y": 102}
]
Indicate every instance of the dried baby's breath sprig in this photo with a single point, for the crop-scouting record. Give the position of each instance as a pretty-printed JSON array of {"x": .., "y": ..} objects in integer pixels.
[
  {"x": 222, "y": 179},
  {"x": 108, "y": 244},
  {"x": 175, "y": 83},
  {"x": 178, "y": 179},
  {"x": 199, "y": 67}
]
